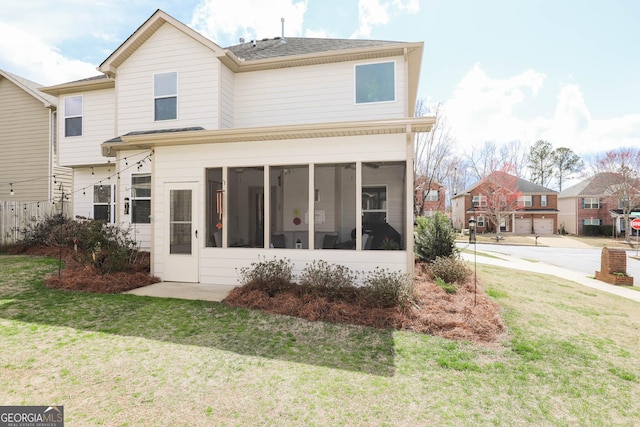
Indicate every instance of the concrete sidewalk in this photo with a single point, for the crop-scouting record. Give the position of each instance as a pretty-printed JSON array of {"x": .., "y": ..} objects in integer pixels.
[{"x": 506, "y": 261}]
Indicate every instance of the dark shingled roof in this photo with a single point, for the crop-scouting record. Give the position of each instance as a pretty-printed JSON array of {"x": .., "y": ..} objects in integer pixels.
[{"x": 274, "y": 48}]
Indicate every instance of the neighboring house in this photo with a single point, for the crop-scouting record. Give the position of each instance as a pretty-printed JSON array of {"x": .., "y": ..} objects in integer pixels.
[
  {"x": 589, "y": 203},
  {"x": 429, "y": 201},
  {"x": 536, "y": 212},
  {"x": 30, "y": 179},
  {"x": 277, "y": 147}
]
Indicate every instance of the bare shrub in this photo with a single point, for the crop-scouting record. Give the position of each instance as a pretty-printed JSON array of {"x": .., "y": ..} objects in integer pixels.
[
  {"x": 450, "y": 269},
  {"x": 333, "y": 281},
  {"x": 384, "y": 288},
  {"x": 272, "y": 276}
]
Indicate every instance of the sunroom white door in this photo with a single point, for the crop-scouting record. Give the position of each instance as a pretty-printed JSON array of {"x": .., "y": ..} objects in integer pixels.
[{"x": 181, "y": 243}]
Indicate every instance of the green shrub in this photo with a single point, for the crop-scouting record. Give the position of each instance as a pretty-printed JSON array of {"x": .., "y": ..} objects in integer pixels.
[
  {"x": 331, "y": 281},
  {"x": 383, "y": 288},
  {"x": 606, "y": 230},
  {"x": 450, "y": 288},
  {"x": 451, "y": 269},
  {"x": 108, "y": 248},
  {"x": 434, "y": 237},
  {"x": 591, "y": 230},
  {"x": 273, "y": 276}
]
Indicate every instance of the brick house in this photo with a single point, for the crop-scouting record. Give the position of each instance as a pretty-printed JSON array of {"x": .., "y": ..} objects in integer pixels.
[
  {"x": 537, "y": 210},
  {"x": 429, "y": 201},
  {"x": 587, "y": 203}
]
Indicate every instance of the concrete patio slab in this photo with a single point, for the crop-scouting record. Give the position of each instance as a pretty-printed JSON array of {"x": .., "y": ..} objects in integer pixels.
[{"x": 193, "y": 291}]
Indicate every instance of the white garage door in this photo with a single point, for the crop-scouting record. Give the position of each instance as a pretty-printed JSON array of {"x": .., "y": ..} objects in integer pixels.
[
  {"x": 523, "y": 226},
  {"x": 543, "y": 226}
]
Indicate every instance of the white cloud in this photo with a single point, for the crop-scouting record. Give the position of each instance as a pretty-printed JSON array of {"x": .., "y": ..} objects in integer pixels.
[
  {"x": 225, "y": 21},
  {"x": 378, "y": 12},
  {"x": 484, "y": 109},
  {"x": 27, "y": 55}
]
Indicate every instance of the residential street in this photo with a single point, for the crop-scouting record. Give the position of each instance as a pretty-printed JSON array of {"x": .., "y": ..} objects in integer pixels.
[{"x": 575, "y": 263}]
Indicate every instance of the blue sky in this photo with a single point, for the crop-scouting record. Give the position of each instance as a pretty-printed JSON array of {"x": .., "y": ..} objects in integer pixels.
[{"x": 562, "y": 70}]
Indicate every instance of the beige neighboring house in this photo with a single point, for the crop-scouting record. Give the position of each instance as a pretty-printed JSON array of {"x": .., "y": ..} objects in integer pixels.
[
  {"x": 30, "y": 177},
  {"x": 295, "y": 148}
]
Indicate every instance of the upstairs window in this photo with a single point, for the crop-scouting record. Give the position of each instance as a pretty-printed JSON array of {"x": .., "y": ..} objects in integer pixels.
[
  {"x": 375, "y": 82},
  {"x": 73, "y": 116},
  {"x": 165, "y": 96},
  {"x": 543, "y": 200},
  {"x": 479, "y": 201},
  {"x": 432, "y": 196},
  {"x": 526, "y": 201},
  {"x": 591, "y": 203}
]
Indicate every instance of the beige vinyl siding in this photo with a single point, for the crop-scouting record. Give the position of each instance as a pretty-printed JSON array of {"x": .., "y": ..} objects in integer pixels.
[
  {"x": 24, "y": 145},
  {"x": 168, "y": 50},
  {"x": 227, "y": 98},
  {"x": 219, "y": 265},
  {"x": 567, "y": 214},
  {"x": 128, "y": 166},
  {"x": 98, "y": 117},
  {"x": 317, "y": 93}
]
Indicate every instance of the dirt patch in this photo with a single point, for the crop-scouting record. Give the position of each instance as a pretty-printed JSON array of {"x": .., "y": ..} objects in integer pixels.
[{"x": 435, "y": 312}]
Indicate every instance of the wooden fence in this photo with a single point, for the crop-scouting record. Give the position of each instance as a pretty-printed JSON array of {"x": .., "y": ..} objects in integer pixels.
[{"x": 16, "y": 216}]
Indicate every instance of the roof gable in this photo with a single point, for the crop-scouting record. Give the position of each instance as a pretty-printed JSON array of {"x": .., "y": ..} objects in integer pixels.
[
  {"x": 596, "y": 185},
  {"x": 522, "y": 185},
  {"x": 144, "y": 32},
  {"x": 31, "y": 88}
]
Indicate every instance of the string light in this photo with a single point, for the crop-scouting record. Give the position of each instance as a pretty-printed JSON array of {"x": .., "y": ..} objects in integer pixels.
[{"x": 139, "y": 165}]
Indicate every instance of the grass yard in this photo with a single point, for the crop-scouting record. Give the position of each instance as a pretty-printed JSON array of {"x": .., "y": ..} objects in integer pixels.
[{"x": 571, "y": 358}]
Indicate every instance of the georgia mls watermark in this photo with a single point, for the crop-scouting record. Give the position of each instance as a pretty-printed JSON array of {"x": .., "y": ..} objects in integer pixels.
[{"x": 31, "y": 416}]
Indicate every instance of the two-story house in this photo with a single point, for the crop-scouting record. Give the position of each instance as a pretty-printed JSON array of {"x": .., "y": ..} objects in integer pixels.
[
  {"x": 289, "y": 147},
  {"x": 590, "y": 202},
  {"x": 429, "y": 197},
  {"x": 536, "y": 210},
  {"x": 30, "y": 178}
]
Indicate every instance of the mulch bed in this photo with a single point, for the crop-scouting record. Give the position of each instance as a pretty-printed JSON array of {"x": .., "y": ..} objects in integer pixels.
[
  {"x": 78, "y": 277},
  {"x": 435, "y": 312}
]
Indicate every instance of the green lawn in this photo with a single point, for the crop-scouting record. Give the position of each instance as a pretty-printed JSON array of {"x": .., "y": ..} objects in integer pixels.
[{"x": 571, "y": 358}]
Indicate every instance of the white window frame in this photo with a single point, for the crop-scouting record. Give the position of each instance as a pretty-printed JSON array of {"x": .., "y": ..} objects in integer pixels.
[
  {"x": 480, "y": 221},
  {"x": 164, "y": 96},
  {"x": 591, "y": 203},
  {"x": 590, "y": 221},
  {"x": 386, "y": 200},
  {"x": 479, "y": 201},
  {"x": 544, "y": 200},
  {"x": 135, "y": 197},
  {"x": 429, "y": 197},
  {"x": 355, "y": 83},
  {"x": 526, "y": 201},
  {"x": 111, "y": 203},
  {"x": 74, "y": 116}
]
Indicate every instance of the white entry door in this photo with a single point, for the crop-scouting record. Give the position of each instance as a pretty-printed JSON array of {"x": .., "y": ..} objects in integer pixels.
[{"x": 181, "y": 233}]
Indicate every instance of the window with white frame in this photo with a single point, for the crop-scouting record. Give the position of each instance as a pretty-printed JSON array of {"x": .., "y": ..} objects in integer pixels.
[
  {"x": 480, "y": 222},
  {"x": 479, "y": 201},
  {"x": 432, "y": 196},
  {"x": 165, "y": 96},
  {"x": 104, "y": 203},
  {"x": 73, "y": 116},
  {"x": 591, "y": 203},
  {"x": 591, "y": 221},
  {"x": 543, "y": 200},
  {"x": 374, "y": 204},
  {"x": 375, "y": 82},
  {"x": 525, "y": 201},
  {"x": 141, "y": 198}
]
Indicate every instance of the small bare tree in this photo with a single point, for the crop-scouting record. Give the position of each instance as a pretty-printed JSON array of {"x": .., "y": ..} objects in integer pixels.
[
  {"x": 500, "y": 190},
  {"x": 622, "y": 169},
  {"x": 430, "y": 153}
]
